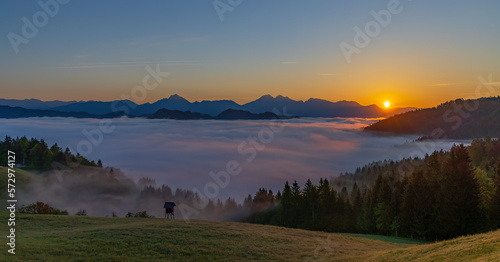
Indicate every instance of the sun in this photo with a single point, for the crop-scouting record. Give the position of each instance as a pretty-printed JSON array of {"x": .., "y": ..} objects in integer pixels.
[{"x": 387, "y": 104}]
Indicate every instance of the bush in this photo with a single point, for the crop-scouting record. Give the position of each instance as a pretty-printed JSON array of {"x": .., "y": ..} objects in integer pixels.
[
  {"x": 142, "y": 214},
  {"x": 81, "y": 212},
  {"x": 41, "y": 208}
]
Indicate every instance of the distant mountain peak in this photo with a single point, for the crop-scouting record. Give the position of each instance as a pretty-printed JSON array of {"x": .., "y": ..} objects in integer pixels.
[
  {"x": 177, "y": 97},
  {"x": 314, "y": 100},
  {"x": 280, "y": 97},
  {"x": 348, "y": 103},
  {"x": 266, "y": 97}
]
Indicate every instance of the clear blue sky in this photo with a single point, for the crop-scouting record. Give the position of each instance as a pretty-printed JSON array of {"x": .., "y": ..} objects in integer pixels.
[{"x": 431, "y": 52}]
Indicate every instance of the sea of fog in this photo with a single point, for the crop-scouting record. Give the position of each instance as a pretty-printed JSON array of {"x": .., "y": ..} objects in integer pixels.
[{"x": 252, "y": 154}]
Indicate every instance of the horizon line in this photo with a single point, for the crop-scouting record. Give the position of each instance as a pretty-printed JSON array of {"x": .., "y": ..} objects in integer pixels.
[{"x": 196, "y": 101}]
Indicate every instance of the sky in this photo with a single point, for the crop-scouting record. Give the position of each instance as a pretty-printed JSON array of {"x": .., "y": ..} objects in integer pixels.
[{"x": 427, "y": 53}]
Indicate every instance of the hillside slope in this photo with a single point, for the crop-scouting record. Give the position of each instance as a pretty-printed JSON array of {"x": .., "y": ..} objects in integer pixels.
[
  {"x": 480, "y": 247},
  {"x": 69, "y": 238},
  {"x": 455, "y": 119},
  {"x": 23, "y": 178}
]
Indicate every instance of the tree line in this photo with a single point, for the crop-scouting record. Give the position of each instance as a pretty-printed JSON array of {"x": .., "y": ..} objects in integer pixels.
[
  {"x": 36, "y": 154},
  {"x": 444, "y": 195}
]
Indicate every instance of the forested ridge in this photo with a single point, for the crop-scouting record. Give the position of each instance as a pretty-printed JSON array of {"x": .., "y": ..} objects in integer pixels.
[
  {"x": 444, "y": 195},
  {"x": 37, "y": 155},
  {"x": 463, "y": 119}
]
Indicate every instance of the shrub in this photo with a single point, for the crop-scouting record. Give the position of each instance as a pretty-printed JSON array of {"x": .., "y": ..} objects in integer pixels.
[
  {"x": 142, "y": 214},
  {"x": 81, "y": 212},
  {"x": 41, "y": 208}
]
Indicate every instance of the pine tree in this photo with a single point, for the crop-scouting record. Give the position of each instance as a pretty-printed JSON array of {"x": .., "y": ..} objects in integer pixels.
[
  {"x": 286, "y": 206},
  {"x": 354, "y": 192},
  {"x": 309, "y": 204},
  {"x": 326, "y": 202},
  {"x": 495, "y": 201},
  {"x": 418, "y": 212},
  {"x": 458, "y": 202},
  {"x": 296, "y": 213}
]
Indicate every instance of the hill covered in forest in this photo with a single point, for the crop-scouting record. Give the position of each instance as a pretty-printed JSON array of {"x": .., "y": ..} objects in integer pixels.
[
  {"x": 458, "y": 119},
  {"x": 39, "y": 156},
  {"x": 442, "y": 196}
]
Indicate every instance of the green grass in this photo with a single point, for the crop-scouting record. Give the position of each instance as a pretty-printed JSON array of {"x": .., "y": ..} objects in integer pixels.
[
  {"x": 70, "y": 238},
  {"x": 480, "y": 247},
  {"x": 396, "y": 240},
  {"x": 23, "y": 177}
]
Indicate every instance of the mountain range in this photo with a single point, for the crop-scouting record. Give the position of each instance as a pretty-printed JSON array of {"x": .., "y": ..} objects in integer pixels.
[
  {"x": 20, "y": 112},
  {"x": 34, "y": 103},
  {"x": 311, "y": 108},
  {"x": 229, "y": 114}
]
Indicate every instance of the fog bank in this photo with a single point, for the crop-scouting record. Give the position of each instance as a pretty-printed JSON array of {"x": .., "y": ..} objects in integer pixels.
[{"x": 183, "y": 154}]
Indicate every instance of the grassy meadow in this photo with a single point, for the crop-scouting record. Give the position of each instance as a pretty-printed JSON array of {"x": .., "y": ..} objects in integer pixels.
[
  {"x": 480, "y": 247},
  {"x": 23, "y": 177},
  {"x": 71, "y": 238}
]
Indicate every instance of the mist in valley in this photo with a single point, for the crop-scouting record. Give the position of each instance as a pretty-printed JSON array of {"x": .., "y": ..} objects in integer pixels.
[{"x": 207, "y": 167}]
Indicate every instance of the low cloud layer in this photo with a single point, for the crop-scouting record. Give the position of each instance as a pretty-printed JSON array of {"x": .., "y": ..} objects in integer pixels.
[{"x": 182, "y": 154}]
